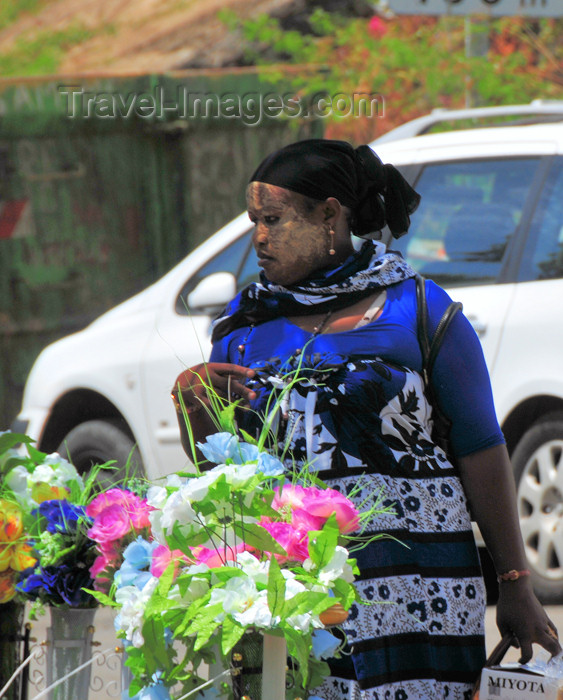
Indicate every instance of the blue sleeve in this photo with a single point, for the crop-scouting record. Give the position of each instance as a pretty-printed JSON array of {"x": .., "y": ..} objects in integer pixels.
[
  {"x": 220, "y": 351},
  {"x": 461, "y": 382}
]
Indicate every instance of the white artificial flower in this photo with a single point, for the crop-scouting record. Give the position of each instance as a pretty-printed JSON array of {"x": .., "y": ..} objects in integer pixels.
[
  {"x": 16, "y": 480},
  {"x": 257, "y": 615},
  {"x": 177, "y": 510},
  {"x": 241, "y": 599},
  {"x": 254, "y": 568},
  {"x": 292, "y": 586},
  {"x": 133, "y": 602},
  {"x": 157, "y": 531},
  {"x": 197, "y": 588},
  {"x": 336, "y": 568},
  {"x": 56, "y": 471},
  {"x": 196, "y": 489},
  {"x": 236, "y": 474},
  {"x": 303, "y": 622},
  {"x": 156, "y": 496}
]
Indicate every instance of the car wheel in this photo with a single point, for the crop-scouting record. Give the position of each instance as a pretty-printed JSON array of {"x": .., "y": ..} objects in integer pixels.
[
  {"x": 100, "y": 441},
  {"x": 538, "y": 468}
]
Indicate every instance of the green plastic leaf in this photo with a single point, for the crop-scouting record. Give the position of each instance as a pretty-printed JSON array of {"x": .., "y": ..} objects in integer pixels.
[
  {"x": 306, "y": 602},
  {"x": 166, "y": 580},
  {"x": 9, "y": 440},
  {"x": 255, "y": 535},
  {"x": 227, "y": 418},
  {"x": 231, "y": 632},
  {"x": 153, "y": 634},
  {"x": 322, "y": 543},
  {"x": 276, "y": 588},
  {"x": 102, "y": 598},
  {"x": 247, "y": 437},
  {"x": 298, "y": 647}
]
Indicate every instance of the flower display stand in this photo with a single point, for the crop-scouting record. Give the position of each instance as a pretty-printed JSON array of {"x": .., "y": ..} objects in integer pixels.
[
  {"x": 259, "y": 670},
  {"x": 69, "y": 646},
  {"x": 274, "y": 667},
  {"x": 11, "y": 625}
]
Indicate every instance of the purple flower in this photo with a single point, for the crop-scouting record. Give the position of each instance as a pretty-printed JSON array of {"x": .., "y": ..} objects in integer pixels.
[
  {"x": 59, "y": 585},
  {"x": 62, "y": 516}
]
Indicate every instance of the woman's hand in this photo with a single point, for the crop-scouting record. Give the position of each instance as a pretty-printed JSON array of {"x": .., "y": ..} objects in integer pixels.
[
  {"x": 227, "y": 380},
  {"x": 519, "y": 612}
]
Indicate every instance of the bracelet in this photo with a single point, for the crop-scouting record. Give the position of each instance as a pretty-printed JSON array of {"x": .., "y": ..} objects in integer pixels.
[
  {"x": 512, "y": 575},
  {"x": 189, "y": 408}
]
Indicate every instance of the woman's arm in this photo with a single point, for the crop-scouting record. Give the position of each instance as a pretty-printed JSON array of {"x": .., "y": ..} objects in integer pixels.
[{"x": 488, "y": 482}]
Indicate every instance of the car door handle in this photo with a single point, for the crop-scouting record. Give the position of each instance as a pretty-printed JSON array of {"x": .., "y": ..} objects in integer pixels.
[{"x": 478, "y": 326}]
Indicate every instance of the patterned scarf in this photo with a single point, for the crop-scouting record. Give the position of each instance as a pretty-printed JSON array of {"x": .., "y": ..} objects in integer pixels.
[{"x": 364, "y": 272}]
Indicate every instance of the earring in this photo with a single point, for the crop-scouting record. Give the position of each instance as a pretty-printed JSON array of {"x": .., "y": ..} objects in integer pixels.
[{"x": 331, "y": 234}]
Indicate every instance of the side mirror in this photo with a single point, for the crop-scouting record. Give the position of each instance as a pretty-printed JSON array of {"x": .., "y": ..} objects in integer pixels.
[{"x": 213, "y": 292}]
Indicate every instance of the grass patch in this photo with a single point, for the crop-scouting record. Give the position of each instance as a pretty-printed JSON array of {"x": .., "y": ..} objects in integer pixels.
[{"x": 43, "y": 54}]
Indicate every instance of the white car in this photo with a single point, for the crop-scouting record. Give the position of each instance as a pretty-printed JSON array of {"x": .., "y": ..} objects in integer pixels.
[{"x": 489, "y": 229}]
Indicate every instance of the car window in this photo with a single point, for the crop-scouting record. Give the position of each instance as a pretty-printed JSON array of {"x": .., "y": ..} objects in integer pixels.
[
  {"x": 237, "y": 258},
  {"x": 543, "y": 255},
  {"x": 467, "y": 215}
]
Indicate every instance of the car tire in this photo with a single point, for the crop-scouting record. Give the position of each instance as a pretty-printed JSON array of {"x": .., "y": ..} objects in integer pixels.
[
  {"x": 538, "y": 469},
  {"x": 100, "y": 441}
]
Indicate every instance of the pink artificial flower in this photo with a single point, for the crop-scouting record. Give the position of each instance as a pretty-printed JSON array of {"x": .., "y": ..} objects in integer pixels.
[
  {"x": 295, "y": 541},
  {"x": 310, "y": 507},
  {"x": 289, "y": 497},
  {"x": 377, "y": 27},
  {"x": 323, "y": 503},
  {"x": 108, "y": 498},
  {"x": 163, "y": 555},
  {"x": 303, "y": 519},
  {"x": 137, "y": 508},
  {"x": 102, "y": 572},
  {"x": 214, "y": 558},
  {"x": 117, "y": 512},
  {"x": 110, "y": 524}
]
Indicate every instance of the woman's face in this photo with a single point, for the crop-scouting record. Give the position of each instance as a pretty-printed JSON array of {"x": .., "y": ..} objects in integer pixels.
[{"x": 291, "y": 243}]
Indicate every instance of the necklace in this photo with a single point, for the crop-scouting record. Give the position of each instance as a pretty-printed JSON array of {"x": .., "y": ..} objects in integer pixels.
[{"x": 318, "y": 329}]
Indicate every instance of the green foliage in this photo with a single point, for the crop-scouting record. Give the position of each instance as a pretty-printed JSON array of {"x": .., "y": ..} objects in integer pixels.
[
  {"x": 11, "y": 10},
  {"x": 415, "y": 63},
  {"x": 41, "y": 54}
]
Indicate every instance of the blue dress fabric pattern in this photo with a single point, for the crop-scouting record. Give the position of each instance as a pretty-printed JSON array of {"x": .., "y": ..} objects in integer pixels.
[{"x": 360, "y": 416}]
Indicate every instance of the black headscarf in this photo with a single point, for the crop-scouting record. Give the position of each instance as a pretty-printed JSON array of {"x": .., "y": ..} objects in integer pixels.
[{"x": 376, "y": 193}]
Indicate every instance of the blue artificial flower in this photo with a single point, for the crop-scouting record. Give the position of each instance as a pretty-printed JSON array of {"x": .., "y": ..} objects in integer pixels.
[
  {"x": 61, "y": 515},
  {"x": 158, "y": 691},
  {"x": 130, "y": 576},
  {"x": 138, "y": 554},
  {"x": 245, "y": 453},
  {"x": 325, "y": 644},
  {"x": 268, "y": 465},
  {"x": 30, "y": 585},
  {"x": 58, "y": 585},
  {"x": 219, "y": 447},
  {"x": 209, "y": 693}
]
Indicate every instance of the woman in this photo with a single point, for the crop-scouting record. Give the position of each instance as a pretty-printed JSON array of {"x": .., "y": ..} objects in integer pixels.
[{"x": 348, "y": 321}]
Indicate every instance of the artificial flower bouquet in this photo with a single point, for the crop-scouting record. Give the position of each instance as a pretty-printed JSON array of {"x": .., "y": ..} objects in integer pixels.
[
  {"x": 45, "y": 553},
  {"x": 242, "y": 546}
]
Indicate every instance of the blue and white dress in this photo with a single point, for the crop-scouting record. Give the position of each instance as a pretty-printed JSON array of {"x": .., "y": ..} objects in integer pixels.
[{"x": 363, "y": 419}]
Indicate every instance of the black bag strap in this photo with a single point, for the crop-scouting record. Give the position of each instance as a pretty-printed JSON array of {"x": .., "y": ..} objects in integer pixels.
[{"x": 429, "y": 349}]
